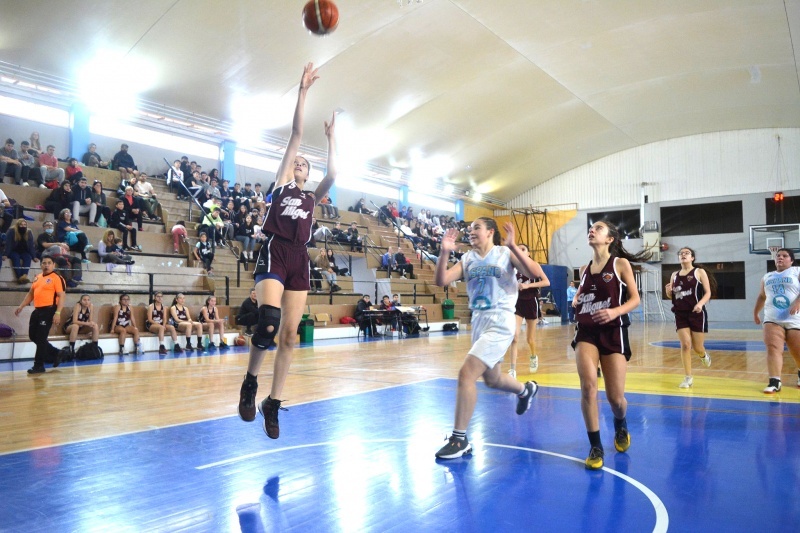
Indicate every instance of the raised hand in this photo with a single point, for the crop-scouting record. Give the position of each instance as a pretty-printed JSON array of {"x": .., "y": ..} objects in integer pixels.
[
  {"x": 448, "y": 243},
  {"x": 510, "y": 239},
  {"x": 330, "y": 126},
  {"x": 309, "y": 76}
]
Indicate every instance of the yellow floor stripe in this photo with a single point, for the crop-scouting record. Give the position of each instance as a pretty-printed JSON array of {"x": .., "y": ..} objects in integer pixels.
[{"x": 704, "y": 387}]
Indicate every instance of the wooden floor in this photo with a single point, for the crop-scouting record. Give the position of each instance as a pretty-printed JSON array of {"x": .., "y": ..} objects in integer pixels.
[{"x": 79, "y": 403}]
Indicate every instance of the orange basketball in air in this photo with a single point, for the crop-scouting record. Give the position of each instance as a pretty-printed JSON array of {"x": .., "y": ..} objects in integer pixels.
[{"x": 320, "y": 16}]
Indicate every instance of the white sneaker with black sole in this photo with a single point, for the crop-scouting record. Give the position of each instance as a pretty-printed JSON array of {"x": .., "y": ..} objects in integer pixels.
[{"x": 773, "y": 387}]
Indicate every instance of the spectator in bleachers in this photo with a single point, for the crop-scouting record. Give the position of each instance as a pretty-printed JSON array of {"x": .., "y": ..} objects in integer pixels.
[
  {"x": 409, "y": 215},
  {"x": 45, "y": 238},
  {"x": 387, "y": 260},
  {"x": 123, "y": 323},
  {"x": 20, "y": 250},
  {"x": 101, "y": 209},
  {"x": 361, "y": 207},
  {"x": 324, "y": 266},
  {"x": 225, "y": 191},
  {"x": 67, "y": 265},
  {"x": 178, "y": 236},
  {"x": 238, "y": 198},
  {"x": 82, "y": 321},
  {"x": 29, "y": 169},
  {"x": 158, "y": 323},
  {"x": 133, "y": 207},
  {"x": 228, "y": 215},
  {"x": 320, "y": 232},
  {"x": 216, "y": 229},
  {"x": 241, "y": 213},
  {"x": 248, "y": 313},
  {"x": 212, "y": 321},
  {"x": 47, "y": 295},
  {"x": 93, "y": 159},
  {"x": 124, "y": 163},
  {"x": 48, "y": 165},
  {"x": 339, "y": 235},
  {"x": 175, "y": 178},
  {"x": 332, "y": 261},
  {"x": 245, "y": 235},
  {"x": 247, "y": 194},
  {"x": 9, "y": 162},
  {"x": 258, "y": 197},
  {"x": 6, "y": 215},
  {"x": 82, "y": 201},
  {"x": 364, "y": 323},
  {"x": 329, "y": 210},
  {"x": 147, "y": 197},
  {"x": 204, "y": 253},
  {"x": 396, "y": 300},
  {"x": 36, "y": 145},
  {"x": 112, "y": 251},
  {"x": 403, "y": 265},
  {"x": 385, "y": 214},
  {"x": 73, "y": 172},
  {"x": 120, "y": 220},
  {"x": 60, "y": 198},
  {"x": 183, "y": 322},
  {"x": 67, "y": 231},
  {"x": 355, "y": 240}
]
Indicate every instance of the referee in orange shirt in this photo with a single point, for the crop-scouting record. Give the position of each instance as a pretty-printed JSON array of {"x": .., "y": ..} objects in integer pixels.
[{"x": 47, "y": 295}]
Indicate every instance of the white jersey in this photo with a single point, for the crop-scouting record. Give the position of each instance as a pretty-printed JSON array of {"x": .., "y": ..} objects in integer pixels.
[
  {"x": 782, "y": 289},
  {"x": 491, "y": 280}
]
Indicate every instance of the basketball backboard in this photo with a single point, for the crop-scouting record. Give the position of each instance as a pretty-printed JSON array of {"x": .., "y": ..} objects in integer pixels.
[{"x": 765, "y": 236}]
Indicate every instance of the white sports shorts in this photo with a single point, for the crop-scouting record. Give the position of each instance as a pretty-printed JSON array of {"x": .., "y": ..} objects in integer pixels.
[{"x": 492, "y": 333}]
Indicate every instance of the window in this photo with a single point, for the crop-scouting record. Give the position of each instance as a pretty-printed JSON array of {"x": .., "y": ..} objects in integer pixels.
[
  {"x": 730, "y": 278},
  {"x": 785, "y": 212},
  {"x": 627, "y": 221},
  {"x": 702, "y": 219}
]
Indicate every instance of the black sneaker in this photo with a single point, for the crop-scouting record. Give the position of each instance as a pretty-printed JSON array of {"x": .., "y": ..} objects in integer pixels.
[
  {"x": 454, "y": 448},
  {"x": 269, "y": 410},
  {"x": 622, "y": 440},
  {"x": 36, "y": 369},
  {"x": 247, "y": 400},
  {"x": 63, "y": 353},
  {"x": 189, "y": 347},
  {"x": 524, "y": 401},
  {"x": 211, "y": 346},
  {"x": 773, "y": 386},
  {"x": 177, "y": 348},
  {"x": 595, "y": 459}
]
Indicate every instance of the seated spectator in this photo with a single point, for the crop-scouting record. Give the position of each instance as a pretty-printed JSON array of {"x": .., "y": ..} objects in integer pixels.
[
  {"x": 224, "y": 191},
  {"x": 52, "y": 175},
  {"x": 123, "y": 323},
  {"x": 385, "y": 214},
  {"x": 331, "y": 259},
  {"x": 73, "y": 172},
  {"x": 204, "y": 253},
  {"x": 247, "y": 194},
  {"x": 20, "y": 250},
  {"x": 409, "y": 215},
  {"x": 214, "y": 227},
  {"x": 59, "y": 199},
  {"x": 36, "y": 146},
  {"x": 248, "y": 313},
  {"x": 133, "y": 206},
  {"x": 355, "y": 240},
  {"x": 245, "y": 235},
  {"x": 124, "y": 163},
  {"x": 83, "y": 321},
  {"x": 93, "y": 159},
  {"x": 30, "y": 171},
  {"x": 403, "y": 265},
  {"x": 320, "y": 233},
  {"x": 9, "y": 162},
  {"x": 192, "y": 183},
  {"x": 228, "y": 215},
  {"x": 184, "y": 324},
  {"x": 68, "y": 266},
  {"x": 212, "y": 321},
  {"x": 82, "y": 201},
  {"x": 175, "y": 178},
  {"x": 258, "y": 197},
  {"x": 144, "y": 190},
  {"x": 67, "y": 231},
  {"x": 361, "y": 207},
  {"x": 120, "y": 220},
  {"x": 324, "y": 266},
  {"x": 239, "y": 198},
  {"x": 315, "y": 276},
  {"x": 101, "y": 209},
  {"x": 112, "y": 252},
  {"x": 45, "y": 238},
  {"x": 387, "y": 260},
  {"x": 158, "y": 323},
  {"x": 178, "y": 236},
  {"x": 6, "y": 215},
  {"x": 396, "y": 300},
  {"x": 364, "y": 323},
  {"x": 328, "y": 209}
]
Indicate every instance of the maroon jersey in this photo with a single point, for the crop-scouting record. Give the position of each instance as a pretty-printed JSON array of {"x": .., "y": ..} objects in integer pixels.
[
  {"x": 527, "y": 294},
  {"x": 289, "y": 215},
  {"x": 604, "y": 290},
  {"x": 686, "y": 291}
]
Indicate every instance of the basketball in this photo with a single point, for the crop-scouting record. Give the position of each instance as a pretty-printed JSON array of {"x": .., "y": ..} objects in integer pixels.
[
  {"x": 240, "y": 341},
  {"x": 320, "y": 16}
]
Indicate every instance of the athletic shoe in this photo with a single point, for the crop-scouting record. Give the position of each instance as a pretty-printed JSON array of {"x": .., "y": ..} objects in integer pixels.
[
  {"x": 686, "y": 383},
  {"x": 798, "y": 378},
  {"x": 512, "y": 373},
  {"x": 189, "y": 347},
  {"x": 773, "y": 387},
  {"x": 222, "y": 344},
  {"x": 269, "y": 410},
  {"x": 23, "y": 279},
  {"x": 87, "y": 248},
  {"x": 121, "y": 353},
  {"x": 599, "y": 372},
  {"x": 622, "y": 440},
  {"x": 26, "y": 184},
  {"x": 63, "y": 353},
  {"x": 454, "y": 448},
  {"x": 595, "y": 459},
  {"x": 247, "y": 400},
  {"x": 534, "y": 366},
  {"x": 177, "y": 348},
  {"x": 36, "y": 369},
  {"x": 162, "y": 350},
  {"x": 71, "y": 284},
  {"x": 706, "y": 360},
  {"x": 524, "y": 401},
  {"x": 211, "y": 346}
]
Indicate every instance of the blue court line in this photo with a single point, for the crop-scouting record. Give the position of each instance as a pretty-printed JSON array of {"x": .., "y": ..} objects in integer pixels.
[{"x": 720, "y": 346}]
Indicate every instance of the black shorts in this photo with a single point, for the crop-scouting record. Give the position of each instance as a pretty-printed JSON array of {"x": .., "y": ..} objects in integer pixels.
[
  {"x": 696, "y": 322},
  {"x": 607, "y": 340},
  {"x": 285, "y": 262},
  {"x": 528, "y": 309}
]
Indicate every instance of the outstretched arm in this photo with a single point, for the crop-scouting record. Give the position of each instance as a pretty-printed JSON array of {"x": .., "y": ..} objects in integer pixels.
[
  {"x": 330, "y": 174},
  {"x": 443, "y": 275},
  {"x": 523, "y": 263},
  {"x": 284, "y": 174}
]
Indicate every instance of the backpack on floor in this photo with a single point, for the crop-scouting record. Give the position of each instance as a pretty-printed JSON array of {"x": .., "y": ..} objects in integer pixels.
[
  {"x": 91, "y": 351},
  {"x": 6, "y": 331}
]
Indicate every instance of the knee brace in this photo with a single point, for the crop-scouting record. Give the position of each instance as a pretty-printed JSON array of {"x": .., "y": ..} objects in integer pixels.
[{"x": 268, "y": 317}]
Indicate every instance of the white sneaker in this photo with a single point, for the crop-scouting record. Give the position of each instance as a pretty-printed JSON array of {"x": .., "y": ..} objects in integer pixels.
[
  {"x": 42, "y": 186},
  {"x": 25, "y": 184},
  {"x": 686, "y": 383},
  {"x": 773, "y": 387},
  {"x": 512, "y": 373},
  {"x": 706, "y": 360},
  {"x": 534, "y": 364}
]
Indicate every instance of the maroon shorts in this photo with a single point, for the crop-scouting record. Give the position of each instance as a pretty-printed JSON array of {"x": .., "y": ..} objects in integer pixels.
[
  {"x": 528, "y": 309},
  {"x": 285, "y": 262},
  {"x": 697, "y": 322},
  {"x": 608, "y": 340}
]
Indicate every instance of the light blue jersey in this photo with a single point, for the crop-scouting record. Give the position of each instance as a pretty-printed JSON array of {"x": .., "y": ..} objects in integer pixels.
[
  {"x": 491, "y": 280},
  {"x": 782, "y": 289}
]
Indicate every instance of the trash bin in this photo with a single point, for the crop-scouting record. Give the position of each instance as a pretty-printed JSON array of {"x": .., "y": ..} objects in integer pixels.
[
  {"x": 448, "y": 309},
  {"x": 306, "y": 329}
]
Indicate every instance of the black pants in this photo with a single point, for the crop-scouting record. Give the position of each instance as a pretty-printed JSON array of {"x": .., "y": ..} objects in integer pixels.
[
  {"x": 38, "y": 330},
  {"x": 405, "y": 268},
  {"x": 247, "y": 319},
  {"x": 125, "y": 231},
  {"x": 102, "y": 210}
]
